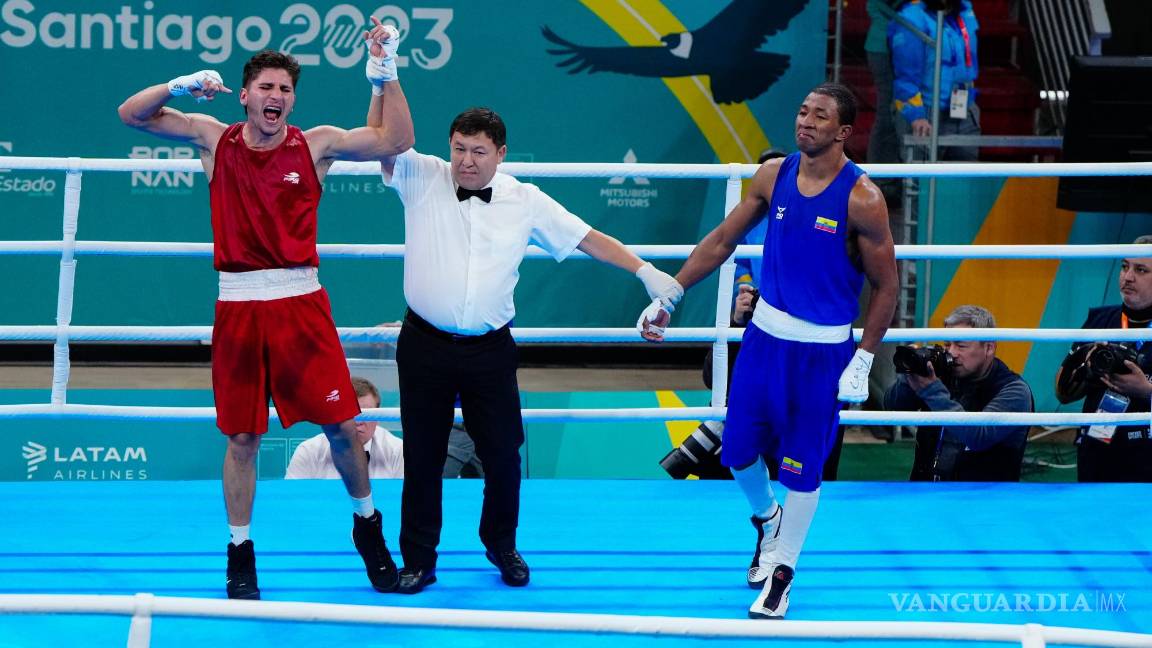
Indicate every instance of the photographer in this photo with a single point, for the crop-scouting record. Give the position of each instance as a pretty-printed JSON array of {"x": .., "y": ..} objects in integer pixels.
[
  {"x": 967, "y": 376},
  {"x": 1114, "y": 378}
]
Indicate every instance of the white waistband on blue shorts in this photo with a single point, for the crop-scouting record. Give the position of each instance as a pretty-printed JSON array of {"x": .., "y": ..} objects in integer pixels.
[
  {"x": 266, "y": 285},
  {"x": 777, "y": 323}
]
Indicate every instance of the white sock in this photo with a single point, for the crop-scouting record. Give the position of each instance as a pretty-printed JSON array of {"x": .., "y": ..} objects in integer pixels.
[
  {"x": 239, "y": 533},
  {"x": 363, "y": 507},
  {"x": 757, "y": 488},
  {"x": 794, "y": 528}
]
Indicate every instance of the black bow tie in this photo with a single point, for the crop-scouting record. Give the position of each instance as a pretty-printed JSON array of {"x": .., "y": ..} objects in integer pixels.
[{"x": 484, "y": 194}]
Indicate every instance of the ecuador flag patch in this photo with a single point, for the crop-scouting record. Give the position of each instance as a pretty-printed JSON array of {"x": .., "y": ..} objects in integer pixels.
[
  {"x": 791, "y": 465},
  {"x": 826, "y": 224}
]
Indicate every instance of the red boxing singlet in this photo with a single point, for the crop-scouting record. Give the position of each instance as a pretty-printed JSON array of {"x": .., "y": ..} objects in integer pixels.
[{"x": 264, "y": 204}]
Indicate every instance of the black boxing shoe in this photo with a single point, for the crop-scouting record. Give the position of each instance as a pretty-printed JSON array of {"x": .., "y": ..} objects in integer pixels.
[
  {"x": 368, "y": 536},
  {"x": 413, "y": 580},
  {"x": 241, "y": 583},
  {"x": 513, "y": 569}
]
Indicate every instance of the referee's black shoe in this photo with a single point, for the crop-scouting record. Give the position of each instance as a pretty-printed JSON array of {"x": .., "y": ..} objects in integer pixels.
[
  {"x": 368, "y": 536},
  {"x": 513, "y": 569},
  {"x": 242, "y": 571}
]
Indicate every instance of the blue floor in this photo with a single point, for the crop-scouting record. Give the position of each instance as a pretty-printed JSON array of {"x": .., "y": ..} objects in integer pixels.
[{"x": 615, "y": 547}]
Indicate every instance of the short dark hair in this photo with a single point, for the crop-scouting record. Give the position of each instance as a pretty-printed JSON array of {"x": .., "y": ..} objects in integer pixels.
[
  {"x": 270, "y": 59},
  {"x": 844, "y": 98},
  {"x": 364, "y": 387},
  {"x": 480, "y": 120}
]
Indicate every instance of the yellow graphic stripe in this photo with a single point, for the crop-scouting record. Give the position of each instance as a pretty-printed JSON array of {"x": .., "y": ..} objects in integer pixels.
[
  {"x": 1016, "y": 291},
  {"x": 731, "y": 130},
  {"x": 677, "y": 430}
]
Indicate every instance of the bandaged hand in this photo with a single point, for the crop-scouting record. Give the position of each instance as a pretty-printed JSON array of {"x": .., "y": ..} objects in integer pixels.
[
  {"x": 202, "y": 85},
  {"x": 380, "y": 67},
  {"x": 854, "y": 380},
  {"x": 661, "y": 286},
  {"x": 653, "y": 321}
]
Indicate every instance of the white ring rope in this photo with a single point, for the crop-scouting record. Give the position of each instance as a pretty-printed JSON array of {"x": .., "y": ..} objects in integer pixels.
[
  {"x": 144, "y": 606},
  {"x": 631, "y": 170},
  {"x": 529, "y": 335},
  {"x": 392, "y": 415},
  {"x": 63, "y": 334},
  {"x": 654, "y": 251}
]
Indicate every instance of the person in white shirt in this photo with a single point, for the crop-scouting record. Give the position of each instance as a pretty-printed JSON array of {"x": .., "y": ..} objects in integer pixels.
[
  {"x": 385, "y": 452},
  {"x": 467, "y": 228}
]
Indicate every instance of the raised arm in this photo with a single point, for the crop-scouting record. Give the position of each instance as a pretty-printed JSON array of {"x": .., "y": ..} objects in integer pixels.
[
  {"x": 147, "y": 110},
  {"x": 387, "y": 135}
]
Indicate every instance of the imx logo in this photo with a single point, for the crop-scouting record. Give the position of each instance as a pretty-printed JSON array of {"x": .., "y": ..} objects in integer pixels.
[
  {"x": 175, "y": 183},
  {"x": 34, "y": 455}
]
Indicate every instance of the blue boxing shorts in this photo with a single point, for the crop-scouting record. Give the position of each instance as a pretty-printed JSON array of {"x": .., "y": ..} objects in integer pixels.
[{"x": 782, "y": 405}]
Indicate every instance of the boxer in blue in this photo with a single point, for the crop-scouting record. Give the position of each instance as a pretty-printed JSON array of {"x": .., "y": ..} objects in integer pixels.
[{"x": 827, "y": 232}]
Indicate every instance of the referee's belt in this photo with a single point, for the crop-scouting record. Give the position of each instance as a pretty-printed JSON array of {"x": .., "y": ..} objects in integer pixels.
[{"x": 427, "y": 327}]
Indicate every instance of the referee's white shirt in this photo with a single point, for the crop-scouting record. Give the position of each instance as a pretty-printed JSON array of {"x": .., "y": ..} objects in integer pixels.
[{"x": 462, "y": 258}]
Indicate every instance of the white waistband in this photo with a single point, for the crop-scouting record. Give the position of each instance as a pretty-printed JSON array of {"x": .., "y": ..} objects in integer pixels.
[
  {"x": 266, "y": 285},
  {"x": 779, "y": 324}
]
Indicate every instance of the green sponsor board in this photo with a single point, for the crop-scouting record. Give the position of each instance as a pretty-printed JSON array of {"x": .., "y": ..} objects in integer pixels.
[
  {"x": 720, "y": 94},
  {"x": 101, "y": 450}
]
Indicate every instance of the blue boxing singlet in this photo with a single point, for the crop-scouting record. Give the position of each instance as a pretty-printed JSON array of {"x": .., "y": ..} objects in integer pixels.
[{"x": 806, "y": 269}]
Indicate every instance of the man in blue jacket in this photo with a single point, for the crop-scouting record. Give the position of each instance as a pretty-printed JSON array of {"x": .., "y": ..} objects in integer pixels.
[{"x": 913, "y": 62}]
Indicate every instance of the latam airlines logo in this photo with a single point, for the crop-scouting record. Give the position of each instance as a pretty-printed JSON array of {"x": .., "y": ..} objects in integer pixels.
[
  {"x": 84, "y": 463},
  {"x": 34, "y": 455}
]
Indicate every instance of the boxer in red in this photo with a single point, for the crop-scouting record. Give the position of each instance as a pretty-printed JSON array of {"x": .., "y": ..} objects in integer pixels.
[{"x": 274, "y": 336}]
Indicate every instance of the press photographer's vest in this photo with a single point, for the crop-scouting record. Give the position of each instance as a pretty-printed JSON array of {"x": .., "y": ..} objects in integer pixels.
[
  {"x": 1109, "y": 317},
  {"x": 1001, "y": 462}
]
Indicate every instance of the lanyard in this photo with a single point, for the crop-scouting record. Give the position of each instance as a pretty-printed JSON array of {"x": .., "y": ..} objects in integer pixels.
[{"x": 967, "y": 42}]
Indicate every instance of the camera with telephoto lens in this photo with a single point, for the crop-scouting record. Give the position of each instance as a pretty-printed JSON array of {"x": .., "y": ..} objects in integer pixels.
[
  {"x": 1108, "y": 358},
  {"x": 915, "y": 360},
  {"x": 699, "y": 454}
]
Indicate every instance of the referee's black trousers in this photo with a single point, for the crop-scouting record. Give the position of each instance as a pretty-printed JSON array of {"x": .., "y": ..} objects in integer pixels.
[{"x": 434, "y": 367}]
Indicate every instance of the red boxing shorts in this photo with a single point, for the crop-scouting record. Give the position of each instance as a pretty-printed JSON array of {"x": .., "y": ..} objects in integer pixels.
[{"x": 283, "y": 349}]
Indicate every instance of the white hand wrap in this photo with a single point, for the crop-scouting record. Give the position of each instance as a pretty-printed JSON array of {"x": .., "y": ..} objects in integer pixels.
[
  {"x": 854, "y": 380},
  {"x": 661, "y": 286},
  {"x": 382, "y": 69},
  {"x": 654, "y": 318},
  {"x": 185, "y": 85}
]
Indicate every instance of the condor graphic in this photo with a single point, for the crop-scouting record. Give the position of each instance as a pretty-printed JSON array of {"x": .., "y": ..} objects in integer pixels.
[{"x": 724, "y": 49}]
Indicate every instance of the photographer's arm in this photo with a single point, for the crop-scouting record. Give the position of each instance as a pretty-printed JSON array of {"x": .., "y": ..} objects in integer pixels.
[
  {"x": 901, "y": 397},
  {"x": 1014, "y": 397}
]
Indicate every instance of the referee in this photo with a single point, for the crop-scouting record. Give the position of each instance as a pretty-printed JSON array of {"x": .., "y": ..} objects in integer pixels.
[{"x": 467, "y": 228}]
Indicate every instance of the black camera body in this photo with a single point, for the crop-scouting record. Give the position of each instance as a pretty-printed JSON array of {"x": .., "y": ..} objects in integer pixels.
[
  {"x": 915, "y": 360},
  {"x": 1109, "y": 358}
]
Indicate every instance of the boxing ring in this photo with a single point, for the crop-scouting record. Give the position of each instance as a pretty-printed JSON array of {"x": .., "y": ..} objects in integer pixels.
[{"x": 624, "y": 563}]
